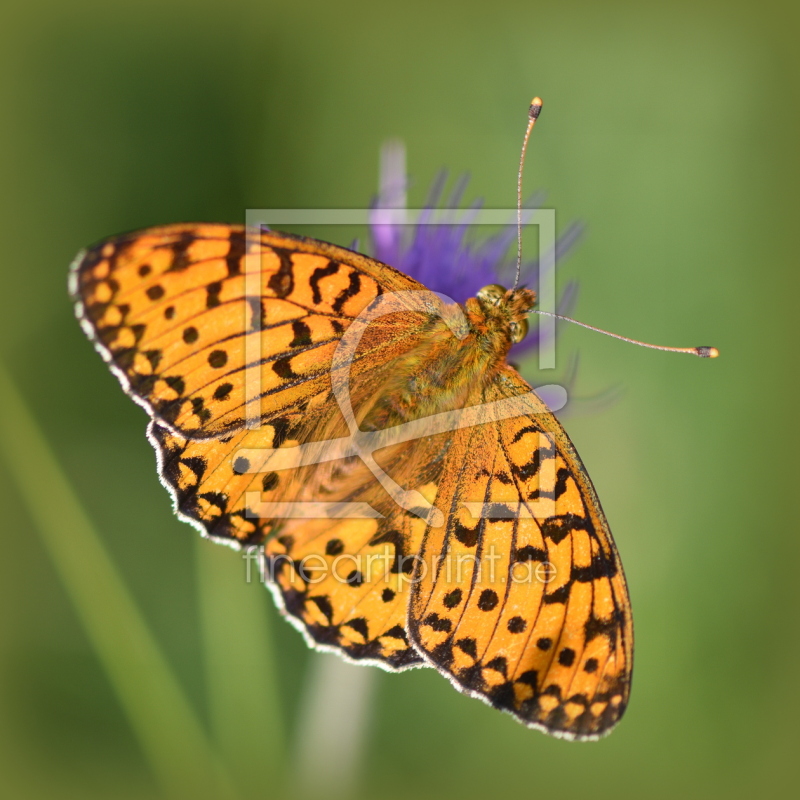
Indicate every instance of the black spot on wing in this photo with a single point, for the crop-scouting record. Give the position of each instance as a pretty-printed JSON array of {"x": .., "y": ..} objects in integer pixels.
[
  {"x": 282, "y": 367},
  {"x": 452, "y": 599},
  {"x": 236, "y": 251},
  {"x": 323, "y": 603},
  {"x": 331, "y": 268},
  {"x": 468, "y": 645},
  {"x": 199, "y": 409},
  {"x": 595, "y": 626},
  {"x": 562, "y": 478},
  {"x": 197, "y": 465},
  {"x": 143, "y": 384},
  {"x": 396, "y": 632},
  {"x": 527, "y": 471},
  {"x": 301, "y": 334},
  {"x": 359, "y": 624},
  {"x": 352, "y": 289},
  {"x": 439, "y": 624},
  {"x": 154, "y": 357},
  {"x": 176, "y": 383},
  {"x": 217, "y": 359},
  {"x": 530, "y": 678},
  {"x": 498, "y": 664},
  {"x": 467, "y": 536},
  {"x": 269, "y": 481},
  {"x": 488, "y": 600},
  {"x": 516, "y": 625},
  {"x": 334, "y": 547},
  {"x": 180, "y": 252},
  {"x": 566, "y": 657},
  {"x": 560, "y": 595},
  {"x": 212, "y": 294},
  {"x": 280, "y": 428},
  {"x": 223, "y": 391},
  {"x": 529, "y": 553},
  {"x": 556, "y": 528},
  {"x": 282, "y": 281},
  {"x": 538, "y": 455},
  {"x": 355, "y": 579},
  {"x": 602, "y": 566}
]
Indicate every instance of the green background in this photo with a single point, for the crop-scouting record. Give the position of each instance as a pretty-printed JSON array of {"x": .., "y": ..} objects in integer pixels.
[{"x": 670, "y": 129}]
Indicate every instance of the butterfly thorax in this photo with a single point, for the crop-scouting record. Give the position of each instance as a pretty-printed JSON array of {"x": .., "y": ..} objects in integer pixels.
[{"x": 446, "y": 372}]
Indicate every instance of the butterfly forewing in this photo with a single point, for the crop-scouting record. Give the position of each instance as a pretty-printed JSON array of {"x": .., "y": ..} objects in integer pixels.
[{"x": 177, "y": 316}]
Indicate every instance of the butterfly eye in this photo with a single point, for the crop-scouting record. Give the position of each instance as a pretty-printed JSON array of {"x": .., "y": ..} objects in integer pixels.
[
  {"x": 492, "y": 294},
  {"x": 519, "y": 330}
]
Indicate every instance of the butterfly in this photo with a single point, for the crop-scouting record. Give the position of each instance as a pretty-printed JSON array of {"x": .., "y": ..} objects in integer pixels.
[{"x": 416, "y": 503}]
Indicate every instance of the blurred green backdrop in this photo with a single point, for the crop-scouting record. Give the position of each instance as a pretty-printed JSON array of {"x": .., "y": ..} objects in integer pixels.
[{"x": 669, "y": 128}]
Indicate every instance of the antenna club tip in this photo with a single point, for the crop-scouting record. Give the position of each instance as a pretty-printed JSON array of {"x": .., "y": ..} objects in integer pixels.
[
  {"x": 707, "y": 352},
  {"x": 536, "y": 107}
]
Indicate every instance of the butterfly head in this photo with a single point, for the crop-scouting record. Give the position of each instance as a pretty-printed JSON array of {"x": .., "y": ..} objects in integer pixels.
[{"x": 507, "y": 309}]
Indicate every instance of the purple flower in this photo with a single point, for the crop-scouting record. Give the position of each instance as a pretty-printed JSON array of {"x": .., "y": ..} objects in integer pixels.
[{"x": 448, "y": 257}]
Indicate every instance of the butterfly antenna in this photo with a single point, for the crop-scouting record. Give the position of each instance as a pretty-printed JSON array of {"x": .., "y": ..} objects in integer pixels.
[
  {"x": 533, "y": 114},
  {"x": 702, "y": 352}
]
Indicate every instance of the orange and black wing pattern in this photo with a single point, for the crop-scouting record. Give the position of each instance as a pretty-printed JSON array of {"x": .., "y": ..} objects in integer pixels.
[
  {"x": 343, "y": 582},
  {"x": 228, "y": 337},
  {"x": 181, "y": 312},
  {"x": 520, "y": 598},
  {"x": 174, "y": 311}
]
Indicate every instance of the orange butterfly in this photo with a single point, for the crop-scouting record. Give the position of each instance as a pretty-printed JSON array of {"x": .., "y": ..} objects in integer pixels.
[{"x": 416, "y": 502}]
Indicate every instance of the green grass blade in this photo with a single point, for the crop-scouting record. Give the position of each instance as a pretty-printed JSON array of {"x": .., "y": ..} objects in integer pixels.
[
  {"x": 168, "y": 730},
  {"x": 241, "y": 679}
]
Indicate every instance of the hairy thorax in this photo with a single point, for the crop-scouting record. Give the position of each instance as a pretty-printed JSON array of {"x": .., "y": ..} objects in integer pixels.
[{"x": 446, "y": 371}]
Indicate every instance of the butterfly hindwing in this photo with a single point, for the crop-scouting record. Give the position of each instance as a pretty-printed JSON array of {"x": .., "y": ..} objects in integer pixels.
[
  {"x": 344, "y": 582},
  {"x": 525, "y": 606}
]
